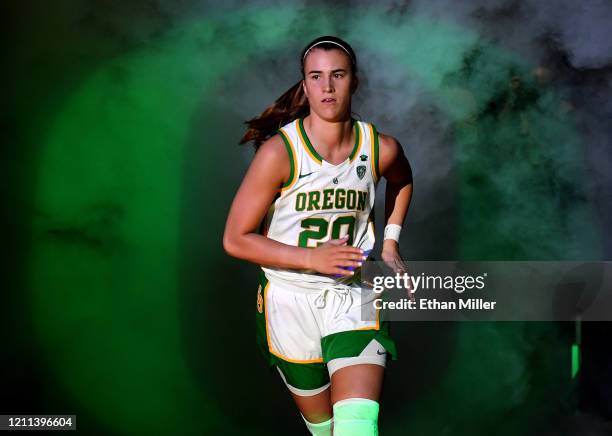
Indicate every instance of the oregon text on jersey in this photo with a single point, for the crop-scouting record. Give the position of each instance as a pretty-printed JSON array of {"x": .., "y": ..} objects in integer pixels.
[{"x": 349, "y": 199}]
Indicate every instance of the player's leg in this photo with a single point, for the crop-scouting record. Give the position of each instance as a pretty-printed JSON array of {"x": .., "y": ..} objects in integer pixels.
[
  {"x": 316, "y": 408},
  {"x": 355, "y": 345},
  {"x": 289, "y": 336},
  {"x": 357, "y": 381},
  {"x": 355, "y": 391},
  {"x": 309, "y": 385},
  {"x": 356, "y": 376}
]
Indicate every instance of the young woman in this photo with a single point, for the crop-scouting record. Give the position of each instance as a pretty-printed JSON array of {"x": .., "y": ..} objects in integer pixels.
[{"x": 305, "y": 213}]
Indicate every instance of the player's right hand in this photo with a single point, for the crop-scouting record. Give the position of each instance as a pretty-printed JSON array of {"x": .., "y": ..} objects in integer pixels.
[{"x": 329, "y": 257}]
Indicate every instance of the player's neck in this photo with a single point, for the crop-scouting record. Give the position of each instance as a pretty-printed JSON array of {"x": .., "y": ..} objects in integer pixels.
[{"x": 329, "y": 137}]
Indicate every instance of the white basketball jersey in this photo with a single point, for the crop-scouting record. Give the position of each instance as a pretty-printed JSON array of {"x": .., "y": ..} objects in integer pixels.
[{"x": 321, "y": 201}]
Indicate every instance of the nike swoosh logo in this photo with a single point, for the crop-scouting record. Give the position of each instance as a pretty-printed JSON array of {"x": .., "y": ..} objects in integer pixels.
[
  {"x": 304, "y": 175},
  {"x": 379, "y": 353}
]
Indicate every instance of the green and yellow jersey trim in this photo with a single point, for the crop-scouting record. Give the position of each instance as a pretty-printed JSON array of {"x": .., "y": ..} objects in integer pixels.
[
  {"x": 306, "y": 142},
  {"x": 311, "y": 150},
  {"x": 358, "y": 141},
  {"x": 374, "y": 152},
  {"x": 292, "y": 160}
]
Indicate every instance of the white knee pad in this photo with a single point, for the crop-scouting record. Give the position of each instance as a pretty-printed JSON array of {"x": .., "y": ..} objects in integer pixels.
[
  {"x": 321, "y": 428},
  {"x": 356, "y": 417},
  {"x": 374, "y": 353}
]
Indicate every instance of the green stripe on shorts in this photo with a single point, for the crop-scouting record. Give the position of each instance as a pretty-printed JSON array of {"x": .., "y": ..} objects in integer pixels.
[
  {"x": 351, "y": 343},
  {"x": 305, "y": 376}
]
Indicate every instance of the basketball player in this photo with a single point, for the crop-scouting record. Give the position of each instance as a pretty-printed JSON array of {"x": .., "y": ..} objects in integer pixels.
[{"x": 305, "y": 213}]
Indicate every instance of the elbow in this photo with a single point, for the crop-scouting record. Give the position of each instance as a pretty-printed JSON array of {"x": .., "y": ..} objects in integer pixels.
[{"x": 229, "y": 244}]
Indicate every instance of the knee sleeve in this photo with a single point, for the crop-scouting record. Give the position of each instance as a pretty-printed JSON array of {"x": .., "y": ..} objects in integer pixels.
[
  {"x": 356, "y": 417},
  {"x": 319, "y": 429}
]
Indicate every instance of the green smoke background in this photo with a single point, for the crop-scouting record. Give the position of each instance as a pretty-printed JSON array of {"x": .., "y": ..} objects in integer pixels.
[{"x": 121, "y": 161}]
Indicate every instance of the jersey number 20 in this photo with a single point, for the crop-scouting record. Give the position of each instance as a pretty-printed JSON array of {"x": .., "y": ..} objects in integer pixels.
[{"x": 316, "y": 229}]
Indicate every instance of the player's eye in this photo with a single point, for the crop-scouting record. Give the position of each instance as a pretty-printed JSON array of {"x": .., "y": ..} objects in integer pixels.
[
  {"x": 314, "y": 76},
  {"x": 339, "y": 75}
]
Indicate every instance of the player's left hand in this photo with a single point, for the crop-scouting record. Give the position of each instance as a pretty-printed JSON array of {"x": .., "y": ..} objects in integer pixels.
[{"x": 391, "y": 256}]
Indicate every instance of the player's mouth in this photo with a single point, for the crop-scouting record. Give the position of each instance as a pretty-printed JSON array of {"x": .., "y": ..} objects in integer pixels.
[{"x": 328, "y": 100}]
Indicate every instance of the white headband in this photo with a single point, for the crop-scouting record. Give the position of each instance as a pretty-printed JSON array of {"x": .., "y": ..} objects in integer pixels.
[{"x": 331, "y": 42}]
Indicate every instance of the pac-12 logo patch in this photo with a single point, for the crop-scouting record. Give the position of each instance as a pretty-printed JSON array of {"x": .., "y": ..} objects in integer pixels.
[
  {"x": 361, "y": 171},
  {"x": 259, "y": 300},
  {"x": 363, "y": 157}
]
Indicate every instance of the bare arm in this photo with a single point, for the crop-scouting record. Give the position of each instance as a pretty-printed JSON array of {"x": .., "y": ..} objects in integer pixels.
[
  {"x": 394, "y": 167},
  {"x": 268, "y": 171}
]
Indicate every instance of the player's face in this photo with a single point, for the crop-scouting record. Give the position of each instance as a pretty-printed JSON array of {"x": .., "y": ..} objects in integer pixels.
[{"x": 327, "y": 83}]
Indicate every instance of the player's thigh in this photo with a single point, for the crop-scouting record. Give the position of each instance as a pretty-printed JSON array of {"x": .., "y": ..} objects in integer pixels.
[
  {"x": 315, "y": 408},
  {"x": 357, "y": 381},
  {"x": 356, "y": 361},
  {"x": 308, "y": 384}
]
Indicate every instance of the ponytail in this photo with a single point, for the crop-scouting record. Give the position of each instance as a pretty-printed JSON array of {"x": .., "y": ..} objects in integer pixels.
[{"x": 289, "y": 106}]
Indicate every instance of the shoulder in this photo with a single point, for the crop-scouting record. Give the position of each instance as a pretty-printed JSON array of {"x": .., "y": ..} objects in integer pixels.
[
  {"x": 389, "y": 150},
  {"x": 388, "y": 145},
  {"x": 272, "y": 147},
  {"x": 392, "y": 159},
  {"x": 272, "y": 157},
  {"x": 281, "y": 143}
]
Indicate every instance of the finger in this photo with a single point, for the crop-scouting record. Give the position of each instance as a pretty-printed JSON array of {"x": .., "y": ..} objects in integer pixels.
[
  {"x": 400, "y": 263},
  {"x": 348, "y": 263},
  {"x": 400, "y": 266},
  {"x": 340, "y": 241},
  {"x": 350, "y": 250},
  {"x": 391, "y": 264},
  {"x": 343, "y": 272},
  {"x": 410, "y": 287},
  {"x": 344, "y": 255},
  {"x": 410, "y": 290},
  {"x": 411, "y": 296}
]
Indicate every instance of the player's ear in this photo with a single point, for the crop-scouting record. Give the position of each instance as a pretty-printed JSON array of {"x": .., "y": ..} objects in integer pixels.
[{"x": 304, "y": 88}]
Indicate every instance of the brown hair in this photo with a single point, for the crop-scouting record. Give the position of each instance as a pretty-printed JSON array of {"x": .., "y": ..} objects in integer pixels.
[{"x": 293, "y": 103}]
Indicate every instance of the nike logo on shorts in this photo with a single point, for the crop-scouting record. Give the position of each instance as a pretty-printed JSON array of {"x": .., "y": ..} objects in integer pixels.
[{"x": 379, "y": 353}]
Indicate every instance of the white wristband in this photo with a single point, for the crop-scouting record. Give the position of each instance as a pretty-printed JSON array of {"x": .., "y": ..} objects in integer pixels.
[{"x": 392, "y": 231}]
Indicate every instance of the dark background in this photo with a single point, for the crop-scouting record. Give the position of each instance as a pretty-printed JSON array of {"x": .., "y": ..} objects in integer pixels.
[{"x": 120, "y": 160}]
